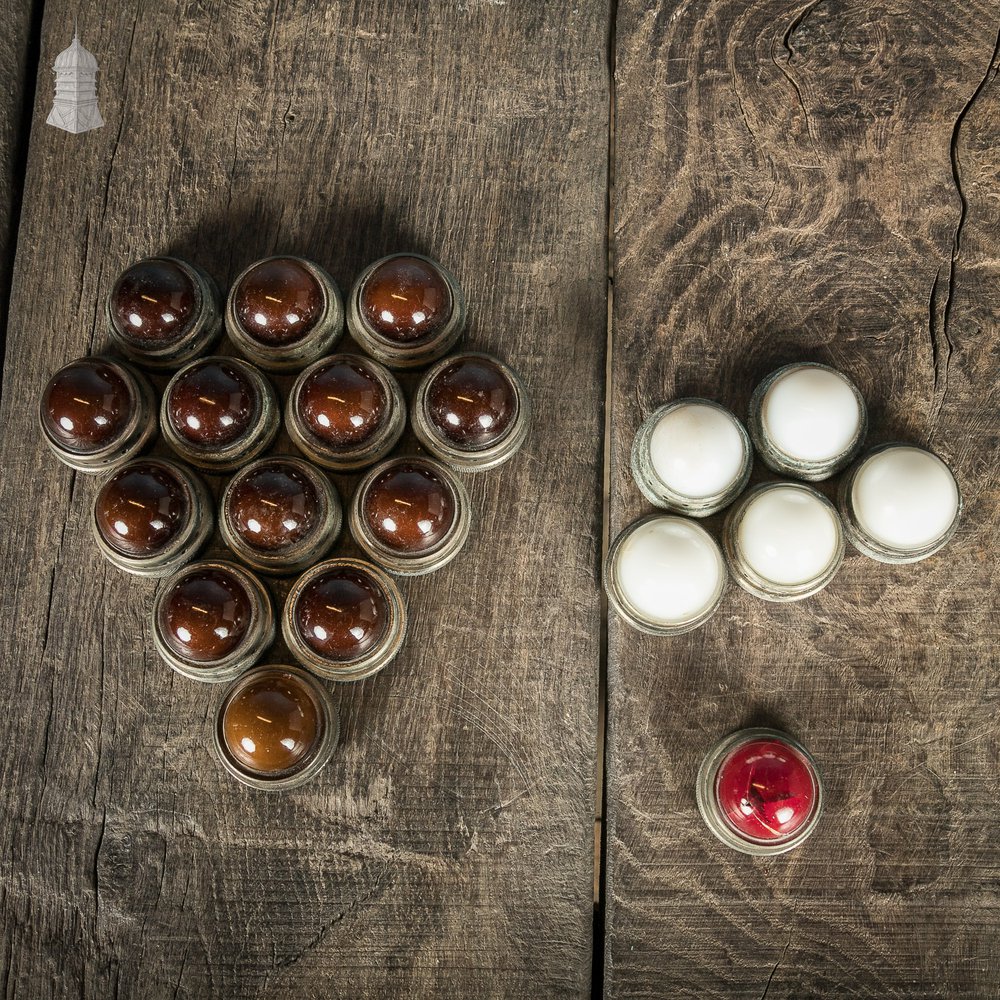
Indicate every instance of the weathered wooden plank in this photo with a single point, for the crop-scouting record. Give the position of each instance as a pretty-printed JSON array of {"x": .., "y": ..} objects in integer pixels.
[
  {"x": 814, "y": 180},
  {"x": 447, "y": 850},
  {"x": 17, "y": 18}
]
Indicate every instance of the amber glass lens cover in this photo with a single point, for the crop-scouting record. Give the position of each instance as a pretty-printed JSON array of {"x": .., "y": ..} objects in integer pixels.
[
  {"x": 342, "y": 614},
  {"x": 409, "y": 507},
  {"x": 343, "y": 403},
  {"x": 154, "y": 302},
  {"x": 273, "y": 507},
  {"x": 141, "y": 509},
  {"x": 406, "y": 299},
  {"x": 86, "y": 405},
  {"x": 472, "y": 403},
  {"x": 205, "y": 615},
  {"x": 278, "y": 301},
  {"x": 212, "y": 404},
  {"x": 272, "y": 724}
]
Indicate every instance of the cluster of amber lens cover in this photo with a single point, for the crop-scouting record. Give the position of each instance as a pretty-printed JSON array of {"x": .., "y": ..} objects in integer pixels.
[{"x": 279, "y": 514}]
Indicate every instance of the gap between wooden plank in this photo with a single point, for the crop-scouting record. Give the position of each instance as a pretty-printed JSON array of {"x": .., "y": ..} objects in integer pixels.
[
  {"x": 19, "y": 162},
  {"x": 600, "y": 830}
]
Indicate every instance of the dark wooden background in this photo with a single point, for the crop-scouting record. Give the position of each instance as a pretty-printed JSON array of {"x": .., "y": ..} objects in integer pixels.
[{"x": 641, "y": 200}]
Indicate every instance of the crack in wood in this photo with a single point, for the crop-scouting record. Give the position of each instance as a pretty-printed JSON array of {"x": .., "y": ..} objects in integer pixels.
[
  {"x": 793, "y": 26},
  {"x": 931, "y": 325},
  {"x": 97, "y": 855},
  {"x": 313, "y": 943},
  {"x": 83, "y": 267},
  {"x": 956, "y": 245},
  {"x": 48, "y": 604},
  {"x": 121, "y": 119},
  {"x": 180, "y": 974},
  {"x": 770, "y": 978},
  {"x": 9, "y": 963},
  {"x": 743, "y": 113},
  {"x": 232, "y": 181}
]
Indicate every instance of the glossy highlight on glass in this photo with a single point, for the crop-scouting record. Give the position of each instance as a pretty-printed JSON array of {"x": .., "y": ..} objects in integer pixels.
[
  {"x": 766, "y": 790},
  {"x": 219, "y": 413},
  {"x": 405, "y": 299},
  {"x": 409, "y": 507},
  {"x": 342, "y": 614},
  {"x": 343, "y": 403},
  {"x": 211, "y": 403},
  {"x": 278, "y": 301},
  {"x": 472, "y": 403},
  {"x": 471, "y": 411},
  {"x": 274, "y": 506},
  {"x": 154, "y": 301},
  {"x": 206, "y": 615},
  {"x": 212, "y": 620},
  {"x": 142, "y": 508},
  {"x": 271, "y": 725},
  {"x": 86, "y": 405},
  {"x": 284, "y": 312}
]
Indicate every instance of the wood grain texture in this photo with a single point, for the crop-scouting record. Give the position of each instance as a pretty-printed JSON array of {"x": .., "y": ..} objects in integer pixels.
[
  {"x": 447, "y": 850},
  {"x": 814, "y": 180},
  {"x": 16, "y": 18}
]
